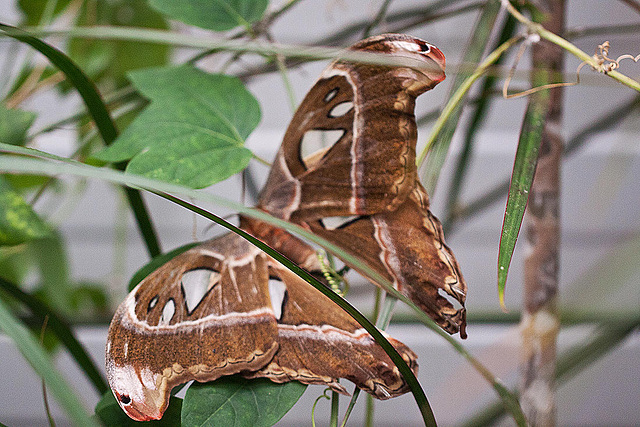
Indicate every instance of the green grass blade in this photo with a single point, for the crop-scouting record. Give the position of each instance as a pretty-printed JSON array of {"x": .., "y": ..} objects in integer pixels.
[
  {"x": 476, "y": 121},
  {"x": 62, "y": 330},
  {"x": 12, "y": 163},
  {"x": 96, "y": 107},
  {"x": 477, "y": 44},
  {"x": 42, "y": 364},
  {"x": 258, "y": 47},
  {"x": 524, "y": 168}
]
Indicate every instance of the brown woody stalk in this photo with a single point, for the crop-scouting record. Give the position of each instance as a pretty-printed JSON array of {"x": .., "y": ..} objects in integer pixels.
[{"x": 540, "y": 321}]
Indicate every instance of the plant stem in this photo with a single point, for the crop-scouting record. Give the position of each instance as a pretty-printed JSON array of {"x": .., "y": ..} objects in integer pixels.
[
  {"x": 459, "y": 94},
  {"x": 577, "y": 141},
  {"x": 335, "y": 408},
  {"x": 61, "y": 329},
  {"x": 569, "y": 47},
  {"x": 17, "y": 164},
  {"x": 42, "y": 364},
  {"x": 571, "y": 362},
  {"x": 378, "y": 19},
  {"x": 101, "y": 117},
  {"x": 482, "y": 105},
  {"x": 261, "y": 48},
  {"x": 382, "y": 322}
]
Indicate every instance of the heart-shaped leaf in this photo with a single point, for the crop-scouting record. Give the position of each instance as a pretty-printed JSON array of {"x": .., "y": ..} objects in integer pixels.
[
  {"x": 194, "y": 130},
  {"x": 217, "y": 15},
  {"x": 236, "y": 401}
]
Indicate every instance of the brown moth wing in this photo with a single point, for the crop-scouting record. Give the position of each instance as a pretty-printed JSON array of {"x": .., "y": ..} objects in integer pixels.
[
  {"x": 292, "y": 247},
  {"x": 320, "y": 343},
  {"x": 156, "y": 341},
  {"x": 407, "y": 246},
  {"x": 371, "y": 168}
]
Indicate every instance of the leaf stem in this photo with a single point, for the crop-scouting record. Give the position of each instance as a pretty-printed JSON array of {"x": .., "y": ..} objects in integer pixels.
[{"x": 335, "y": 407}]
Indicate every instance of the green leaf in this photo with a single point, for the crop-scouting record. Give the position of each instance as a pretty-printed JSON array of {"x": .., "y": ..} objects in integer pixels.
[
  {"x": 55, "y": 288},
  {"x": 236, "y": 401},
  {"x": 41, "y": 363},
  {"x": 217, "y": 15},
  {"x": 18, "y": 222},
  {"x": 473, "y": 126},
  {"x": 109, "y": 61},
  {"x": 33, "y": 10},
  {"x": 87, "y": 299},
  {"x": 15, "y": 263},
  {"x": 524, "y": 168},
  {"x": 194, "y": 130},
  {"x": 156, "y": 262},
  {"x": 109, "y": 413},
  {"x": 14, "y": 125}
]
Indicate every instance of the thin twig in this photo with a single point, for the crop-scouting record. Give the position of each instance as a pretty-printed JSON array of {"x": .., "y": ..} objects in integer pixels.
[
  {"x": 632, "y": 4},
  {"x": 378, "y": 18},
  {"x": 569, "y": 47}
]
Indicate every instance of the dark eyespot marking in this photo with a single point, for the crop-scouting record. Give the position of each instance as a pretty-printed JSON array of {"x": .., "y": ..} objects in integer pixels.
[
  {"x": 125, "y": 399},
  {"x": 424, "y": 47}
]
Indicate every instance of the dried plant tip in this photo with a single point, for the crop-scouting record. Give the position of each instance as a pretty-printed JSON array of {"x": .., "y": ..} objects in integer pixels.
[{"x": 606, "y": 64}]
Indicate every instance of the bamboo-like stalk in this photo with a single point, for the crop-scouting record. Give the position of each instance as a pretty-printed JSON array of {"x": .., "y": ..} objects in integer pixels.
[{"x": 540, "y": 321}]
